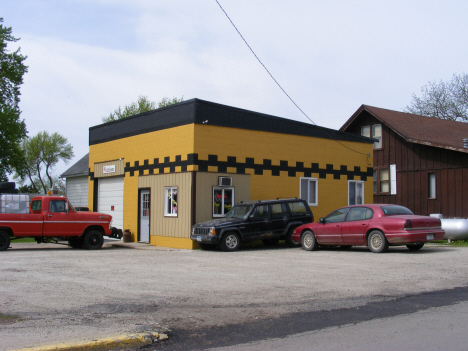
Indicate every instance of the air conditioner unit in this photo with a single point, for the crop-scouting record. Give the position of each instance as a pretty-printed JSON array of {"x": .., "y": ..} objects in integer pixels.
[{"x": 224, "y": 181}]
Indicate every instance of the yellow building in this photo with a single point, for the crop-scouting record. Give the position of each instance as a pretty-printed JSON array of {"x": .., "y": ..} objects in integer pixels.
[{"x": 159, "y": 172}]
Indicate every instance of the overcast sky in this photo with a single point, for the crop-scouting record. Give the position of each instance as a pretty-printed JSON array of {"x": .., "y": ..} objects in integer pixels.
[{"x": 87, "y": 57}]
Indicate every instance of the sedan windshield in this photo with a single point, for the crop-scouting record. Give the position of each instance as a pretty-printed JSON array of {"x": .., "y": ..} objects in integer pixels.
[
  {"x": 240, "y": 212},
  {"x": 395, "y": 210}
]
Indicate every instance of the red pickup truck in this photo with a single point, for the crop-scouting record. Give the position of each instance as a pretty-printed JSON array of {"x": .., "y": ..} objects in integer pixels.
[{"x": 53, "y": 217}]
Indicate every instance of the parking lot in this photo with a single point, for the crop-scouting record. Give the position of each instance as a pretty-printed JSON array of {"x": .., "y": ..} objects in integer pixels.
[{"x": 61, "y": 294}]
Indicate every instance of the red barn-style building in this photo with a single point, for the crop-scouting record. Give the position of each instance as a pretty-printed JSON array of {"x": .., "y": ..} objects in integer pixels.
[{"x": 419, "y": 162}]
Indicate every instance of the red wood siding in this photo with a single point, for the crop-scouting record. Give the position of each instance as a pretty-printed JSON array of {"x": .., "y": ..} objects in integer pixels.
[{"x": 414, "y": 162}]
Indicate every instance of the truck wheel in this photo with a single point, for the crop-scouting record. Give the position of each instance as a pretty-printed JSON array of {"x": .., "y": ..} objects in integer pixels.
[
  {"x": 93, "y": 240},
  {"x": 230, "y": 242},
  {"x": 289, "y": 241},
  {"x": 4, "y": 240},
  {"x": 76, "y": 243}
]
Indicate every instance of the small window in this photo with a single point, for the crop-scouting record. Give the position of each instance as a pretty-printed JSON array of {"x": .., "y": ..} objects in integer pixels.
[
  {"x": 171, "y": 204},
  {"x": 359, "y": 214},
  {"x": 297, "y": 208},
  {"x": 223, "y": 199},
  {"x": 355, "y": 192},
  {"x": 337, "y": 216},
  {"x": 432, "y": 186},
  {"x": 279, "y": 210},
  {"x": 261, "y": 211},
  {"x": 393, "y": 210},
  {"x": 384, "y": 180},
  {"x": 374, "y": 184},
  {"x": 365, "y": 131},
  {"x": 308, "y": 190},
  {"x": 57, "y": 206},
  {"x": 377, "y": 134},
  {"x": 36, "y": 205}
]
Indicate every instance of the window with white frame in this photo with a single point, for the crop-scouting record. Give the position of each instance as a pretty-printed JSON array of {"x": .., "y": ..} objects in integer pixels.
[
  {"x": 432, "y": 185},
  {"x": 377, "y": 134},
  {"x": 374, "y": 132},
  {"x": 384, "y": 180},
  {"x": 308, "y": 190},
  {"x": 170, "y": 203},
  {"x": 223, "y": 199},
  {"x": 355, "y": 192}
]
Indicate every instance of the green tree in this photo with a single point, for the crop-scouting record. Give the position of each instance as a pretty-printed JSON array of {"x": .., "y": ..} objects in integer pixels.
[
  {"x": 140, "y": 106},
  {"x": 446, "y": 100},
  {"x": 12, "y": 129},
  {"x": 41, "y": 154}
]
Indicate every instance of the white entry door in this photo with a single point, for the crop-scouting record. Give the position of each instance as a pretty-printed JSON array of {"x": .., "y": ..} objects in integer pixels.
[
  {"x": 111, "y": 199},
  {"x": 144, "y": 215}
]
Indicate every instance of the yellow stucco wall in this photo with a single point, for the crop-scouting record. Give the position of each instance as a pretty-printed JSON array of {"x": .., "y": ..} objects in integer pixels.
[
  {"x": 224, "y": 142},
  {"x": 332, "y": 193}
]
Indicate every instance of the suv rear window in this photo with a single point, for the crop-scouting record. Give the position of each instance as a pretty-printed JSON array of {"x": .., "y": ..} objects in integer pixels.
[{"x": 297, "y": 208}]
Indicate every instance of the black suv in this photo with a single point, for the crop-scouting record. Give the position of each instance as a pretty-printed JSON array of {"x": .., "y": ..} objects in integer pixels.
[{"x": 269, "y": 221}]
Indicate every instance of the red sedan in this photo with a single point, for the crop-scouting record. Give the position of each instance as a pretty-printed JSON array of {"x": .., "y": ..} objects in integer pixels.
[{"x": 376, "y": 225}]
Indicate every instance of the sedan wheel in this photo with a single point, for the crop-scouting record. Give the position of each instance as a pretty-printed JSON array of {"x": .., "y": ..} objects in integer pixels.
[
  {"x": 415, "y": 247},
  {"x": 308, "y": 240},
  {"x": 230, "y": 242},
  {"x": 377, "y": 242}
]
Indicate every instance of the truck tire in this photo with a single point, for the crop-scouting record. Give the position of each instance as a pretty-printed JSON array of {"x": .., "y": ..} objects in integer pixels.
[
  {"x": 4, "y": 240},
  {"x": 93, "y": 240},
  {"x": 75, "y": 243}
]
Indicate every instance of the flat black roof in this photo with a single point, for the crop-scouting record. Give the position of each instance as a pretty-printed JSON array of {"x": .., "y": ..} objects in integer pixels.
[{"x": 196, "y": 111}]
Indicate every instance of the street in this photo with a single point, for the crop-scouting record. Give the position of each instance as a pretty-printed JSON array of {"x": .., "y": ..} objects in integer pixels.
[{"x": 60, "y": 294}]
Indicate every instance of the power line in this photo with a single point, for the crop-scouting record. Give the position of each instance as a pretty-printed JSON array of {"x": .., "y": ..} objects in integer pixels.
[{"x": 279, "y": 85}]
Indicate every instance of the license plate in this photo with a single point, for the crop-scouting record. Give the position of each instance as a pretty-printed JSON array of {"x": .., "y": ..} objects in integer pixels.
[
  {"x": 430, "y": 237},
  {"x": 198, "y": 238}
]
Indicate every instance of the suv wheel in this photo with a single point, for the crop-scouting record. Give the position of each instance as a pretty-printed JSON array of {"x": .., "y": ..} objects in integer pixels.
[
  {"x": 289, "y": 241},
  {"x": 230, "y": 242}
]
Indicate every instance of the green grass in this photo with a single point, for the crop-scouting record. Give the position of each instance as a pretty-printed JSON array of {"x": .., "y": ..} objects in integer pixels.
[
  {"x": 453, "y": 243},
  {"x": 5, "y": 318},
  {"x": 23, "y": 240}
]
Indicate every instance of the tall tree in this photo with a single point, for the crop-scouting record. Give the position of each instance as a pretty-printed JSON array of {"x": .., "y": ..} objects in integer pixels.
[
  {"x": 446, "y": 100},
  {"x": 41, "y": 154},
  {"x": 12, "y": 129},
  {"x": 141, "y": 105}
]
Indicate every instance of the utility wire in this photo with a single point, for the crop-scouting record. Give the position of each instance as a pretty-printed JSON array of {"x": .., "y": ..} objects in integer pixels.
[
  {"x": 279, "y": 85},
  {"x": 266, "y": 69}
]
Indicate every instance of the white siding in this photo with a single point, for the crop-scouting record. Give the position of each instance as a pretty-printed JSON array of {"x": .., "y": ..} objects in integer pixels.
[{"x": 77, "y": 191}]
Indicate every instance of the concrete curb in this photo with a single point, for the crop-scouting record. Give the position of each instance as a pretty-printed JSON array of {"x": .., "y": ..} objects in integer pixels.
[{"x": 117, "y": 343}]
